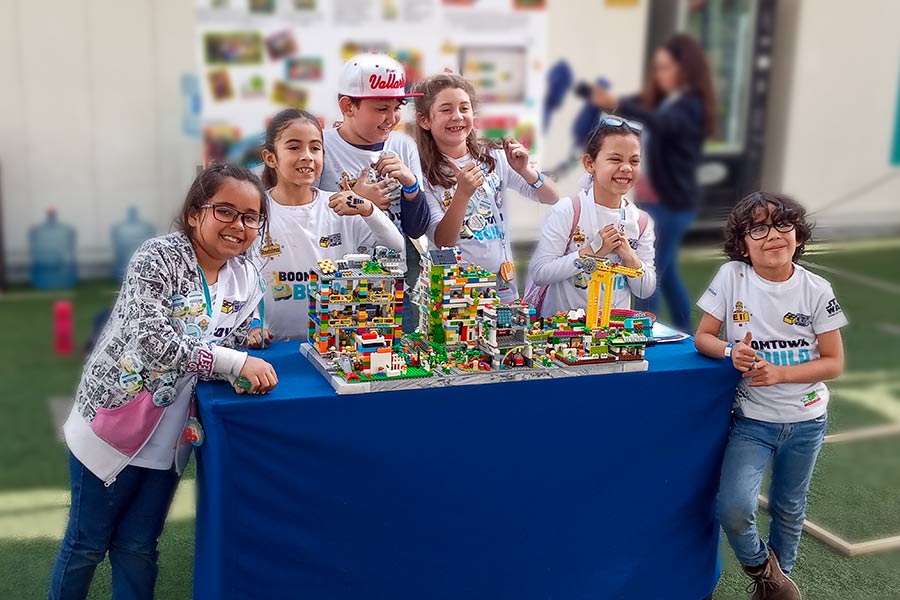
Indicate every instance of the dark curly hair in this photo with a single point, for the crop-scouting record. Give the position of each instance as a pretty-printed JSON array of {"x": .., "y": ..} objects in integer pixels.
[{"x": 746, "y": 214}]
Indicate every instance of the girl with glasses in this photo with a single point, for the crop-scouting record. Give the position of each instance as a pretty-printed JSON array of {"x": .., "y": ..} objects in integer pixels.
[{"x": 186, "y": 301}]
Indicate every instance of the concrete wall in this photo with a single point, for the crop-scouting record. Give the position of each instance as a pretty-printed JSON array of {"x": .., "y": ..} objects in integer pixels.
[{"x": 90, "y": 117}]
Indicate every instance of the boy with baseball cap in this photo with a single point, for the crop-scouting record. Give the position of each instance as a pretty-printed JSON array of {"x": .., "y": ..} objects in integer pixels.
[{"x": 366, "y": 154}]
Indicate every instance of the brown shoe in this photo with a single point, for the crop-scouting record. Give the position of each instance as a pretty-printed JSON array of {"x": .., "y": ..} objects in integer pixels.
[{"x": 770, "y": 582}]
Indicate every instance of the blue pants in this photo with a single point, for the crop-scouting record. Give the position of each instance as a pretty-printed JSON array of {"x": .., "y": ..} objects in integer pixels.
[
  {"x": 125, "y": 519},
  {"x": 670, "y": 227},
  {"x": 792, "y": 449}
]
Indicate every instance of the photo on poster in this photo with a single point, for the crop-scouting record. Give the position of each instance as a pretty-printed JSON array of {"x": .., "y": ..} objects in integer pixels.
[
  {"x": 352, "y": 48},
  {"x": 265, "y": 7},
  {"x": 220, "y": 87},
  {"x": 529, "y": 4},
  {"x": 281, "y": 44},
  {"x": 289, "y": 95},
  {"x": 497, "y": 72},
  {"x": 218, "y": 140},
  {"x": 253, "y": 87},
  {"x": 304, "y": 4},
  {"x": 303, "y": 68},
  {"x": 233, "y": 47}
]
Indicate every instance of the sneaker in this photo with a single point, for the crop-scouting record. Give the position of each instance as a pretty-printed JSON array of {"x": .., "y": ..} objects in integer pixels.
[{"x": 771, "y": 583}]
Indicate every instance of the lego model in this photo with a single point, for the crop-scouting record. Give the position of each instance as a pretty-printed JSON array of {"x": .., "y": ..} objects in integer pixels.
[{"x": 465, "y": 335}]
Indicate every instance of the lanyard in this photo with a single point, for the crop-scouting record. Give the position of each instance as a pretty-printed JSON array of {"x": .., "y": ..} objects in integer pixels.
[{"x": 205, "y": 292}]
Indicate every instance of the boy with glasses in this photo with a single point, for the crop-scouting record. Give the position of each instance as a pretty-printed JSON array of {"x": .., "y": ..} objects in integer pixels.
[{"x": 782, "y": 330}]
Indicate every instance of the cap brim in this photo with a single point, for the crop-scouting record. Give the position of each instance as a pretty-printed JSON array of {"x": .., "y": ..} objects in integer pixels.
[{"x": 404, "y": 96}]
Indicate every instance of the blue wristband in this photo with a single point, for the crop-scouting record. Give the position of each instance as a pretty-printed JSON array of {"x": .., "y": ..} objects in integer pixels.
[
  {"x": 540, "y": 181},
  {"x": 255, "y": 323},
  {"x": 411, "y": 189}
]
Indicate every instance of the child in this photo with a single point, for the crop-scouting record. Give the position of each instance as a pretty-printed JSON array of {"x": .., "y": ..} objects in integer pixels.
[
  {"x": 169, "y": 326},
  {"x": 782, "y": 329},
  {"x": 305, "y": 223},
  {"x": 377, "y": 162},
  {"x": 599, "y": 222},
  {"x": 465, "y": 178}
]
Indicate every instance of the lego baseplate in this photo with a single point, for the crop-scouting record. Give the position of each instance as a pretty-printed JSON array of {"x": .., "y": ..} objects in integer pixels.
[{"x": 460, "y": 377}]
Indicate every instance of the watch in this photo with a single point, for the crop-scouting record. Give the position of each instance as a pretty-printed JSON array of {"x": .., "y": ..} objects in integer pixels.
[{"x": 728, "y": 350}]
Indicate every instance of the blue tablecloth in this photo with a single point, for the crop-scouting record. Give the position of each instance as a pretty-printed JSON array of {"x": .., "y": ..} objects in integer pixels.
[{"x": 591, "y": 487}]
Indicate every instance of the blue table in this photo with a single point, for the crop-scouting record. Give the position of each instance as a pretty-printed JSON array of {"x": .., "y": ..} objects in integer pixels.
[{"x": 591, "y": 487}]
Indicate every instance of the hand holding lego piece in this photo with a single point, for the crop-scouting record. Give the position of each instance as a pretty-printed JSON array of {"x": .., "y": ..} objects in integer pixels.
[
  {"x": 380, "y": 192},
  {"x": 259, "y": 374},
  {"x": 763, "y": 373},
  {"x": 390, "y": 165},
  {"x": 468, "y": 179}
]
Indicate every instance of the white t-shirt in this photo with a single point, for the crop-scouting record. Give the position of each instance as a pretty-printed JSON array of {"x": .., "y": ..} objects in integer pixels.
[
  {"x": 785, "y": 318},
  {"x": 553, "y": 263},
  {"x": 298, "y": 236},
  {"x": 484, "y": 234},
  {"x": 342, "y": 157}
]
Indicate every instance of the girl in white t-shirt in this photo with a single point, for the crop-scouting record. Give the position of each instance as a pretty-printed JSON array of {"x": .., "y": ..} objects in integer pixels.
[
  {"x": 465, "y": 178},
  {"x": 306, "y": 224},
  {"x": 599, "y": 222}
]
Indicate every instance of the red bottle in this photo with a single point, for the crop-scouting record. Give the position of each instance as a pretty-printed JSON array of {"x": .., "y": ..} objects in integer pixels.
[{"x": 63, "y": 327}]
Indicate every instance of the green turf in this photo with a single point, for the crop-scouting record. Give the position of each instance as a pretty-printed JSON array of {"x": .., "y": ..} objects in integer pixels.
[{"x": 855, "y": 490}]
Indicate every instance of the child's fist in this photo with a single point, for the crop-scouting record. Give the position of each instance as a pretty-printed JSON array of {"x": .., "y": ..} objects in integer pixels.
[
  {"x": 468, "y": 179},
  {"x": 260, "y": 374}
]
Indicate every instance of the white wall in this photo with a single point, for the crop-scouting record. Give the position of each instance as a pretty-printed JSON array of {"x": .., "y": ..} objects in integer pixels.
[
  {"x": 90, "y": 116},
  {"x": 596, "y": 40},
  {"x": 833, "y": 109}
]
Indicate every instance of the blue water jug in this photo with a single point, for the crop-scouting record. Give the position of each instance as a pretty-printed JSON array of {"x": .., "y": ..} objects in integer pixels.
[
  {"x": 52, "y": 246},
  {"x": 127, "y": 236}
]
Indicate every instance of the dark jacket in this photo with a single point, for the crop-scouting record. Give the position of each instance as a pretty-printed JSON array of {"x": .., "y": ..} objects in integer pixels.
[{"x": 675, "y": 147}]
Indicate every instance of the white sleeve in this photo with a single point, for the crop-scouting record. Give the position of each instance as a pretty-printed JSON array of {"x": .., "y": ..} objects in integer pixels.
[
  {"x": 714, "y": 299},
  {"x": 435, "y": 209},
  {"x": 828, "y": 313},
  {"x": 551, "y": 263},
  {"x": 514, "y": 180},
  {"x": 643, "y": 287},
  {"x": 378, "y": 228}
]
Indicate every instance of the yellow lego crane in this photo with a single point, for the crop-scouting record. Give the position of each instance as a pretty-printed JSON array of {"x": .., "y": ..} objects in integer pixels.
[{"x": 603, "y": 272}]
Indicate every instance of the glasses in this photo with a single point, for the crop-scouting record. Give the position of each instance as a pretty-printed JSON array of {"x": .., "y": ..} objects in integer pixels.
[
  {"x": 761, "y": 231},
  {"x": 614, "y": 122},
  {"x": 226, "y": 214}
]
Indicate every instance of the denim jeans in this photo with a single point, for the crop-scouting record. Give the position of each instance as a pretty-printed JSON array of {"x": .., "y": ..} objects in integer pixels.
[
  {"x": 125, "y": 519},
  {"x": 792, "y": 449},
  {"x": 669, "y": 226}
]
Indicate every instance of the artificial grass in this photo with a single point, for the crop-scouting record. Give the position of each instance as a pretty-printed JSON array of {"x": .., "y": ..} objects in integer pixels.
[{"x": 854, "y": 491}]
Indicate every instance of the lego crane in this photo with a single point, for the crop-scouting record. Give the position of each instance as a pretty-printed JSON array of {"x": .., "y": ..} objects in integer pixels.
[{"x": 603, "y": 272}]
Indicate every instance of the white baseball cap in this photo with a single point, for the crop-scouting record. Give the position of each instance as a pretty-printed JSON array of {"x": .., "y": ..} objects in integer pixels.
[{"x": 373, "y": 76}]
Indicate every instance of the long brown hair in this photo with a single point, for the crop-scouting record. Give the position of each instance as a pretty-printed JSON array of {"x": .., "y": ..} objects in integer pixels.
[
  {"x": 695, "y": 76},
  {"x": 435, "y": 166}
]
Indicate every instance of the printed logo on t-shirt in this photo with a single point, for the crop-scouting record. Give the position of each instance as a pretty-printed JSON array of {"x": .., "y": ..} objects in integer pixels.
[
  {"x": 289, "y": 285},
  {"x": 578, "y": 237},
  {"x": 270, "y": 248},
  {"x": 811, "y": 398},
  {"x": 330, "y": 241},
  {"x": 229, "y": 306},
  {"x": 445, "y": 201},
  {"x": 740, "y": 314},
  {"x": 798, "y": 319},
  {"x": 832, "y": 308}
]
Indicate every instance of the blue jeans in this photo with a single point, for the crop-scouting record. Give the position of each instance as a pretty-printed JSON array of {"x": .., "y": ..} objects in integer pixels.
[
  {"x": 669, "y": 226},
  {"x": 792, "y": 449},
  {"x": 125, "y": 519}
]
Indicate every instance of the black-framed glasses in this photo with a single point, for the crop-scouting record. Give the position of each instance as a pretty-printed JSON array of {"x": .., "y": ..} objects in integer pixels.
[
  {"x": 761, "y": 231},
  {"x": 614, "y": 122},
  {"x": 228, "y": 214}
]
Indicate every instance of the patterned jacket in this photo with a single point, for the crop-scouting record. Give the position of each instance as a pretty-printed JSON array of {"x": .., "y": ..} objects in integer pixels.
[{"x": 162, "y": 334}]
